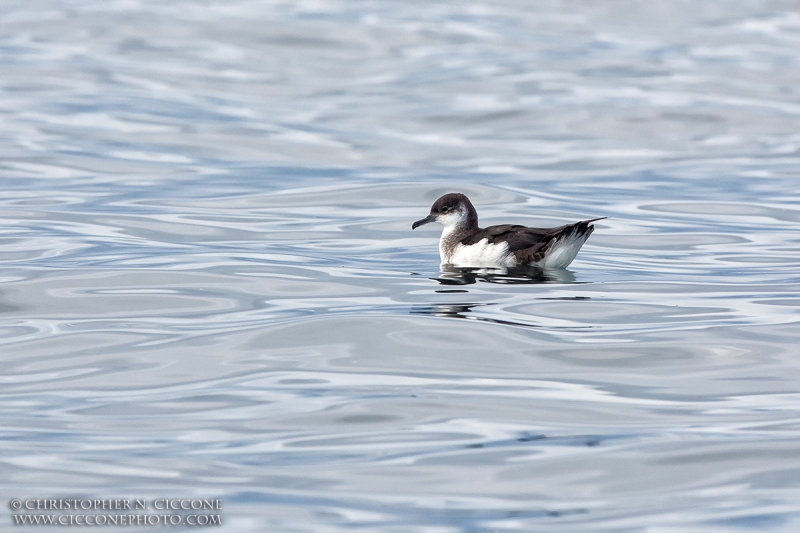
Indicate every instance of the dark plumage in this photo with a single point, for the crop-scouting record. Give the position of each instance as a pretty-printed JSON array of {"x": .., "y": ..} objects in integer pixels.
[
  {"x": 529, "y": 245},
  {"x": 506, "y": 244}
]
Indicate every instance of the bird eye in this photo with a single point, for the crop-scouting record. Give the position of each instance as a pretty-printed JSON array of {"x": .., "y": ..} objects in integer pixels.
[{"x": 445, "y": 209}]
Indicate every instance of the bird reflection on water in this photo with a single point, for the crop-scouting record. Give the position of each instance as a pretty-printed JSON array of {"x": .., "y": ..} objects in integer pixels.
[
  {"x": 525, "y": 275},
  {"x": 461, "y": 310},
  {"x": 460, "y": 276}
]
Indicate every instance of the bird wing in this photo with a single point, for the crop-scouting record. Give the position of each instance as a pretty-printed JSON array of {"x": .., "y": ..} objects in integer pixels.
[{"x": 529, "y": 245}]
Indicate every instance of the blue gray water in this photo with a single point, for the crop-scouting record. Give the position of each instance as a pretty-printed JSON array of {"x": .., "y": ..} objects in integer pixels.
[{"x": 210, "y": 287}]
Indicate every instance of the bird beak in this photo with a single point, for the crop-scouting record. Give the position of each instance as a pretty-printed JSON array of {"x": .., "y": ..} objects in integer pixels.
[{"x": 418, "y": 223}]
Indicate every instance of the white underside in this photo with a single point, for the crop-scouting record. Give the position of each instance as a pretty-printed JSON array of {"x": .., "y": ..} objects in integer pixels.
[
  {"x": 483, "y": 254},
  {"x": 480, "y": 254},
  {"x": 563, "y": 252}
]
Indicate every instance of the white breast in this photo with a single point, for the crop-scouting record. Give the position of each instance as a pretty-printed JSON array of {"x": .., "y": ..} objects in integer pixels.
[{"x": 479, "y": 254}]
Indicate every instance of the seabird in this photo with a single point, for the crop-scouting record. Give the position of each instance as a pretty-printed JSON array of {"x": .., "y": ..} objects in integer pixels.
[{"x": 463, "y": 243}]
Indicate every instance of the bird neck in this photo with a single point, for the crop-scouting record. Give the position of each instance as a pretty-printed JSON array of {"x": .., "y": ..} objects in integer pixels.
[{"x": 453, "y": 235}]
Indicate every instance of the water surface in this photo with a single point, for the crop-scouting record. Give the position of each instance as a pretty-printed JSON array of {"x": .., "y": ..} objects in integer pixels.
[{"x": 210, "y": 287}]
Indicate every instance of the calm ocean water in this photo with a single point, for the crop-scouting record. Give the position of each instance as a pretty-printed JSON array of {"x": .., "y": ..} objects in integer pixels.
[{"x": 210, "y": 287}]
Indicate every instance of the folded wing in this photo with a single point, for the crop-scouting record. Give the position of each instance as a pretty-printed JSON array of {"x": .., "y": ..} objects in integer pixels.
[{"x": 530, "y": 245}]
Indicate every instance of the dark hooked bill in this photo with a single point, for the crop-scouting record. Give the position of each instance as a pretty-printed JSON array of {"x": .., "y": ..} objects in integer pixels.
[{"x": 418, "y": 223}]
